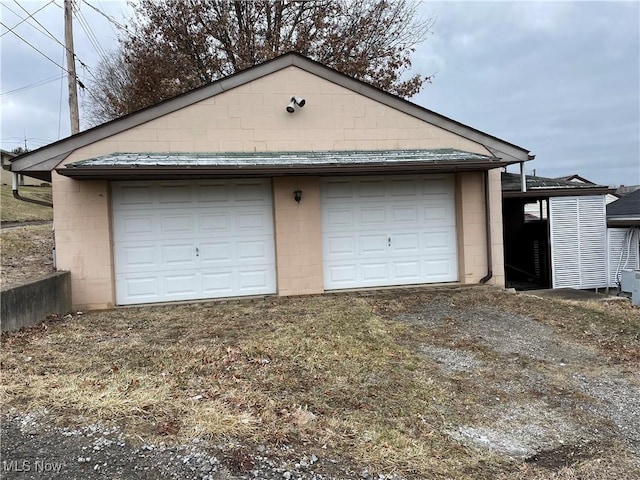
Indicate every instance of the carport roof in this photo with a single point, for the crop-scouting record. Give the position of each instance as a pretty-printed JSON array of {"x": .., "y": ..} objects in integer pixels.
[
  {"x": 548, "y": 187},
  {"x": 208, "y": 165}
]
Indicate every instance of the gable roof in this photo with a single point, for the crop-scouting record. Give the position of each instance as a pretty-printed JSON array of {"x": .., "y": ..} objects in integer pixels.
[
  {"x": 625, "y": 210},
  {"x": 46, "y": 158},
  {"x": 576, "y": 178},
  {"x": 548, "y": 187}
]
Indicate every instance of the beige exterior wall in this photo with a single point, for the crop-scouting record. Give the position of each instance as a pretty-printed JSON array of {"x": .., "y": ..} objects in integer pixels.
[
  {"x": 83, "y": 240},
  {"x": 298, "y": 236},
  {"x": 471, "y": 226},
  {"x": 253, "y": 118}
]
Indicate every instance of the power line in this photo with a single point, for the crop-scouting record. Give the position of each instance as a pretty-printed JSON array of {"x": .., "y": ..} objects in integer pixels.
[
  {"x": 23, "y": 19},
  {"x": 50, "y": 35},
  {"x": 58, "y": 65},
  {"x": 41, "y": 53},
  {"x": 33, "y": 85},
  {"x": 89, "y": 32},
  {"x": 46, "y": 32},
  {"x": 112, "y": 20}
]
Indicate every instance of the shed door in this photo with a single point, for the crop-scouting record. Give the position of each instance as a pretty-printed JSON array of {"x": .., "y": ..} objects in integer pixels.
[
  {"x": 578, "y": 241},
  {"x": 192, "y": 240},
  {"x": 380, "y": 231}
]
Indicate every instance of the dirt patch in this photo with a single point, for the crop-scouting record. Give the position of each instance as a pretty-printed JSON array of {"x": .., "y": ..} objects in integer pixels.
[{"x": 26, "y": 253}]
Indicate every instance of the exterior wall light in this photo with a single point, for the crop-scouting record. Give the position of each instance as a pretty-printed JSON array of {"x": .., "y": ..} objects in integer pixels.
[
  {"x": 297, "y": 195},
  {"x": 295, "y": 102}
]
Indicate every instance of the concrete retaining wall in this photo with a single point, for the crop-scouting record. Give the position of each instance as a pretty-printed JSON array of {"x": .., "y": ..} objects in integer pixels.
[{"x": 30, "y": 303}]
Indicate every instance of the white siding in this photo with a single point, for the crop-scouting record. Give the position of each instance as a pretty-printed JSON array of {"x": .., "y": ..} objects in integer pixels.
[
  {"x": 578, "y": 242},
  {"x": 624, "y": 251}
]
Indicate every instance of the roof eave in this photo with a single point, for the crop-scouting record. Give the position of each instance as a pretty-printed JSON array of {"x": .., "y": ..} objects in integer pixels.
[
  {"x": 555, "y": 192},
  {"x": 172, "y": 172}
]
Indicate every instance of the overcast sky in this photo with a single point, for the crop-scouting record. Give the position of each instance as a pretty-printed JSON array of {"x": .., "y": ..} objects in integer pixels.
[{"x": 561, "y": 79}]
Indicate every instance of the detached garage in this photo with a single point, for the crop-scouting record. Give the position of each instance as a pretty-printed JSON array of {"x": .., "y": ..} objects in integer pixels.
[{"x": 223, "y": 192}]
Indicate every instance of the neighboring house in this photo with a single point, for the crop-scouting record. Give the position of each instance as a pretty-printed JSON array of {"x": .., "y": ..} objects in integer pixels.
[
  {"x": 6, "y": 175},
  {"x": 623, "y": 190},
  {"x": 608, "y": 198},
  {"x": 222, "y": 192},
  {"x": 565, "y": 244},
  {"x": 623, "y": 235}
]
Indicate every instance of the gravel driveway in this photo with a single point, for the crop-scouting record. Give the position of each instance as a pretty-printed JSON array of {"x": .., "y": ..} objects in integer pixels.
[{"x": 546, "y": 400}]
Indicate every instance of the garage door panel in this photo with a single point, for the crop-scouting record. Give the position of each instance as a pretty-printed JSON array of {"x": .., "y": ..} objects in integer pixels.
[
  {"x": 370, "y": 217},
  {"x": 136, "y": 196},
  {"x": 439, "y": 270},
  {"x": 178, "y": 255},
  {"x": 435, "y": 241},
  {"x": 405, "y": 232},
  {"x": 216, "y": 252},
  {"x": 340, "y": 246},
  {"x": 215, "y": 222},
  {"x": 441, "y": 186},
  {"x": 373, "y": 244},
  {"x": 407, "y": 214},
  {"x": 254, "y": 252},
  {"x": 253, "y": 280},
  {"x": 250, "y": 191},
  {"x": 345, "y": 274},
  {"x": 403, "y": 188},
  {"x": 340, "y": 217},
  {"x": 174, "y": 194},
  {"x": 249, "y": 221},
  {"x": 135, "y": 225},
  {"x": 407, "y": 271},
  {"x": 141, "y": 289},
  {"x": 180, "y": 284},
  {"x": 404, "y": 243},
  {"x": 437, "y": 214},
  {"x": 339, "y": 189},
  {"x": 194, "y": 240},
  {"x": 176, "y": 224},
  {"x": 217, "y": 283},
  {"x": 371, "y": 189},
  {"x": 216, "y": 193},
  {"x": 134, "y": 257},
  {"x": 374, "y": 272}
]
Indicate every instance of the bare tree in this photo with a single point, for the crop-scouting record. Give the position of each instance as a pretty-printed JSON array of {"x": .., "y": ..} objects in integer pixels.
[{"x": 176, "y": 45}]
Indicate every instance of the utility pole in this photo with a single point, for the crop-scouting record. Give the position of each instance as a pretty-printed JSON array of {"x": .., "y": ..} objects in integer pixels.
[{"x": 71, "y": 68}]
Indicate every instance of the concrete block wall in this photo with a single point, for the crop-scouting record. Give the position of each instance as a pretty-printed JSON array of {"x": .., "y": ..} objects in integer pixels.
[
  {"x": 30, "y": 303},
  {"x": 298, "y": 236}
]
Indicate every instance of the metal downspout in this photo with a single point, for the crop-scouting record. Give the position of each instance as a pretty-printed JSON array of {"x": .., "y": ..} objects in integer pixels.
[
  {"x": 16, "y": 194},
  {"x": 487, "y": 216}
]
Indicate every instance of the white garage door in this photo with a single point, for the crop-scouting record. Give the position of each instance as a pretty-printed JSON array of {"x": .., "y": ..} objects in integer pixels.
[
  {"x": 192, "y": 240},
  {"x": 388, "y": 231}
]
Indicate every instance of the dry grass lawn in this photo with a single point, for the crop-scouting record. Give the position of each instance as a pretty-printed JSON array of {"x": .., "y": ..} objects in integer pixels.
[
  {"x": 25, "y": 253},
  {"x": 13, "y": 210},
  {"x": 340, "y": 373}
]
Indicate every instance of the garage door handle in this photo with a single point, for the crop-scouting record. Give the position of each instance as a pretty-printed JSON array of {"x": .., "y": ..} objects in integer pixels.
[
  {"x": 197, "y": 252},
  {"x": 389, "y": 242}
]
